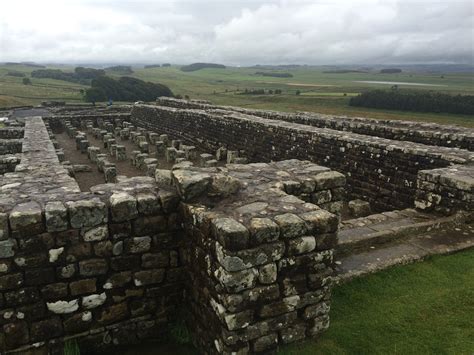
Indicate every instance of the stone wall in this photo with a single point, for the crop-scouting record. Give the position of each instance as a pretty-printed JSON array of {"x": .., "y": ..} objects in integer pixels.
[
  {"x": 11, "y": 133},
  {"x": 446, "y": 190},
  {"x": 234, "y": 249},
  {"x": 426, "y": 133},
  {"x": 378, "y": 170},
  {"x": 10, "y": 146},
  {"x": 260, "y": 261}
]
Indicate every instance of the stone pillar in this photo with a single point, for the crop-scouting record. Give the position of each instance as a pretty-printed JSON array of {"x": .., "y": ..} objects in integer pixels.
[{"x": 121, "y": 153}]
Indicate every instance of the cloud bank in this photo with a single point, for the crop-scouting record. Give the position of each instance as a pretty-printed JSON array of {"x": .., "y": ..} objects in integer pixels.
[{"x": 238, "y": 32}]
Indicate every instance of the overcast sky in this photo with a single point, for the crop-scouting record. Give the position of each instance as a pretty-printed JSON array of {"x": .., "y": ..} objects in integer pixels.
[{"x": 238, "y": 32}]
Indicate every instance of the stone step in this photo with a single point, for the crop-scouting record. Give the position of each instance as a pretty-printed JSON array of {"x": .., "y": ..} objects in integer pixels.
[
  {"x": 444, "y": 240},
  {"x": 370, "y": 232}
]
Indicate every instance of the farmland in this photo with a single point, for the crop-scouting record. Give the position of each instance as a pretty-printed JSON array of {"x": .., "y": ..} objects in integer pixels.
[{"x": 309, "y": 89}]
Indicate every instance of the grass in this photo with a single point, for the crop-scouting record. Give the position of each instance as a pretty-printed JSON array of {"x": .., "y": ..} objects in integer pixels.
[
  {"x": 320, "y": 92},
  {"x": 423, "y": 308}
]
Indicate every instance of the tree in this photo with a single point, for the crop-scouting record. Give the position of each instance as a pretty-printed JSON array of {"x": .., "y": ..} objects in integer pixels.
[
  {"x": 297, "y": 92},
  {"x": 26, "y": 81},
  {"x": 95, "y": 95}
]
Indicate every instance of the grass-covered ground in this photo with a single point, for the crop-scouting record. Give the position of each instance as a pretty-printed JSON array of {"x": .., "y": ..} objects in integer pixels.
[
  {"x": 423, "y": 308},
  {"x": 320, "y": 92}
]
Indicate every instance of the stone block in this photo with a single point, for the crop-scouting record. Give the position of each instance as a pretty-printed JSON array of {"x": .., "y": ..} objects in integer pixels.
[
  {"x": 93, "y": 267},
  {"x": 231, "y": 234},
  {"x": 123, "y": 207},
  {"x": 86, "y": 213}
]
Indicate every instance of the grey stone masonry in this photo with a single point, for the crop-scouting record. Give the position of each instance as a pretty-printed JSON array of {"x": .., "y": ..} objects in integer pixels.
[
  {"x": 378, "y": 170},
  {"x": 446, "y": 190},
  {"x": 426, "y": 133},
  {"x": 268, "y": 254}
]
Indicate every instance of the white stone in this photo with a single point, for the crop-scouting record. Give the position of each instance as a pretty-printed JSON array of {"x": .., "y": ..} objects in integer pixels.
[
  {"x": 63, "y": 307},
  {"x": 96, "y": 234},
  {"x": 54, "y": 254},
  {"x": 108, "y": 285},
  {"x": 86, "y": 316},
  {"x": 93, "y": 301}
]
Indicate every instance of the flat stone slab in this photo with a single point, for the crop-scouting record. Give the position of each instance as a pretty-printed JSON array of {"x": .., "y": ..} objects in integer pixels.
[{"x": 443, "y": 241}]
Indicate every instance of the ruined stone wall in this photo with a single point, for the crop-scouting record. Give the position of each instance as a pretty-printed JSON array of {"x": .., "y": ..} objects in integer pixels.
[
  {"x": 260, "y": 262},
  {"x": 11, "y": 133},
  {"x": 104, "y": 267},
  {"x": 426, "y": 133},
  {"x": 10, "y": 146},
  {"x": 446, "y": 190},
  {"x": 379, "y": 170}
]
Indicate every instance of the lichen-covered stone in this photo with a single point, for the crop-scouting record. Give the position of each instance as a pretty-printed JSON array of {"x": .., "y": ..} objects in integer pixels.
[
  {"x": 291, "y": 225},
  {"x": 25, "y": 215},
  {"x": 123, "y": 207},
  {"x": 86, "y": 213},
  {"x": 56, "y": 216},
  {"x": 231, "y": 234}
]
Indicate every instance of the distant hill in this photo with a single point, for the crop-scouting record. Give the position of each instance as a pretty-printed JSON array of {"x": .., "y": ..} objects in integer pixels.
[
  {"x": 198, "y": 66},
  {"x": 121, "y": 69},
  {"x": 150, "y": 66},
  {"x": 125, "y": 89},
  {"x": 275, "y": 75}
]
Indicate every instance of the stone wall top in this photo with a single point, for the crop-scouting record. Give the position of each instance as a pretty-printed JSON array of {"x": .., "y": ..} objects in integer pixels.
[{"x": 421, "y": 132}]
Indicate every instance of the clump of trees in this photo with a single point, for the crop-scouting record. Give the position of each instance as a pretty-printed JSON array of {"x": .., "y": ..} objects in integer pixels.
[
  {"x": 199, "y": 66},
  {"x": 121, "y": 69},
  {"x": 390, "y": 71},
  {"x": 124, "y": 89},
  {"x": 26, "y": 81},
  {"x": 80, "y": 75},
  {"x": 260, "y": 92},
  {"x": 419, "y": 101},
  {"x": 150, "y": 66},
  {"x": 275, "y": 75},
  {"x": 166, "y": 65}
]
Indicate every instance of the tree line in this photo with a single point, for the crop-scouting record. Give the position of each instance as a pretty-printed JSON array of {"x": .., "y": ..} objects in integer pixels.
[{"x": 419, "y": 101}]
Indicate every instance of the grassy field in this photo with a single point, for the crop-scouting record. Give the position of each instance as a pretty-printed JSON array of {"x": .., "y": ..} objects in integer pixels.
[
  {"x": 423, "y": 308},
  {"x": 319, "y": 92}
]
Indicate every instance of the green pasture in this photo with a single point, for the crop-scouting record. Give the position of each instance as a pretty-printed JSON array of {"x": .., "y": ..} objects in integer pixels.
[{"x": 318, "y": 91}]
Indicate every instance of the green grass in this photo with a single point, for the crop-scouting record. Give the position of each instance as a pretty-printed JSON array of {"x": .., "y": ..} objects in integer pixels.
[
  {"x": 320, "y": 92},
  {"x": 423, "y": 308}
]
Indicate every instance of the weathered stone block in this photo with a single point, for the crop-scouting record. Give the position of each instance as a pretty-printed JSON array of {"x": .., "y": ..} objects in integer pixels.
[
  {"x": 263, "y": 230},
  {"x": 291, "y": 225},
  {"x": 231, "y": 234},
  {"x": 149, "y": 277},
  {"x": 81, "y": 287},
  {"x": 93, "y": 267},
  {"x": 56, "y": 216},
  {"x": 86, "y": 213},
  {"x": 123, "y": 207}
]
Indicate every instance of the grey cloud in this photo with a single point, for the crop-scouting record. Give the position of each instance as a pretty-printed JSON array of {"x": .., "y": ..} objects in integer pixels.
[{"x": 238, "y": 32}]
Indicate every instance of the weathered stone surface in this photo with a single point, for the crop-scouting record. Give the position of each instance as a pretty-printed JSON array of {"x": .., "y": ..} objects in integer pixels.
[
  {"x": 231, "y": 234},
  {"x": 263, "y": 230},
  {"x": 93, "y": 301},
  {"x": 96, "y": 234},
  {"x": 290, "y": 225},
  {"x": 63, "y": 307},
  {"x": 86, "y": 213},
  {"x": 190, "y": 184},
  {"x": 25, "y": 215},
  {"x": 123, "y": 207},
  {"x": 93, "y": 267}
]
